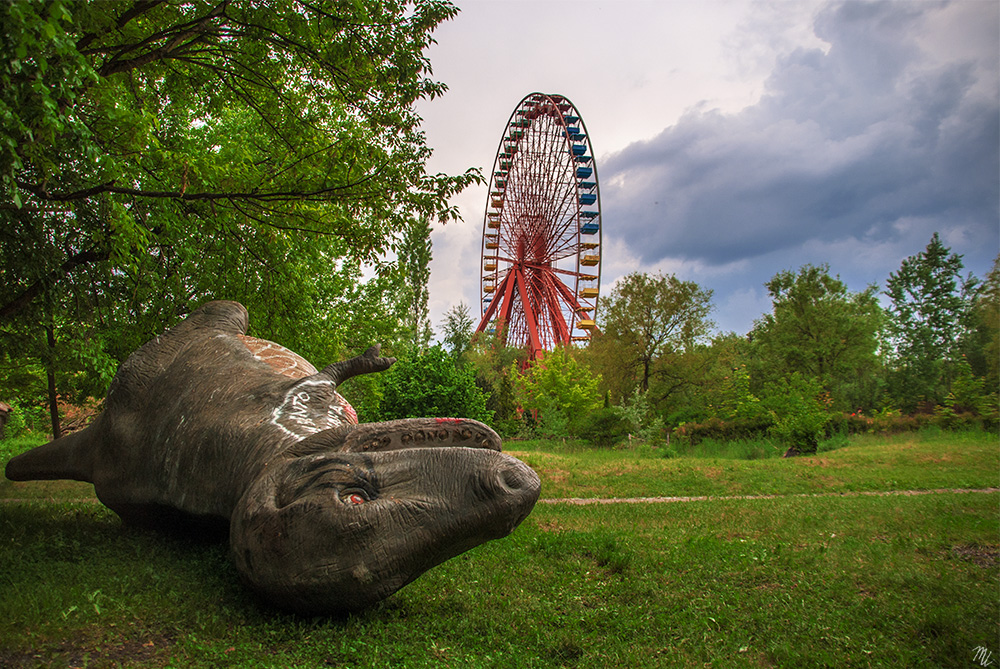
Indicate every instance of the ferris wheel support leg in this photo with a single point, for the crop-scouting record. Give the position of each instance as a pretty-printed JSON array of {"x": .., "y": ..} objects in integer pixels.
[
  {"x": 506, "y": 306},
  {"x": 570, "y": 298},
  {"x": 552, "y": 289},
  {"x": 529, "y": 317},
  {"x": 493, "y": 307}
]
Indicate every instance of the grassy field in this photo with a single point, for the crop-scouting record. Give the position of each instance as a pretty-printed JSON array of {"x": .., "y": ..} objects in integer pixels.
[{"x": 790, "y": 581}]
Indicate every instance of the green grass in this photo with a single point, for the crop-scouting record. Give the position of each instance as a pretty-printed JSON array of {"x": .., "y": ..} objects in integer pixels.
[
  {"x": 916, "y": 461},
  {"x": 15, "y": 445},
  {"x": 901, "y": 581}
]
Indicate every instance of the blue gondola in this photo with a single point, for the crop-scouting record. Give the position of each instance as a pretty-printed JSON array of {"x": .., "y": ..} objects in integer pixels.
[
  {"x": 571, "y": 119},
  {"x": 579, "y": 149},
  {"x": 588, "y": 185},
  {"x": 589, "y": 228},
  {"x": 589, "y": 214},
  {"x": 588, "y": 198},
  {"x": 584, "y": 172}
]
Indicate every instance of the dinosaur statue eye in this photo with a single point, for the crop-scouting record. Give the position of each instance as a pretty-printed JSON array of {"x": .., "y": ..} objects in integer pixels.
[{"x": 353, "y": 497}]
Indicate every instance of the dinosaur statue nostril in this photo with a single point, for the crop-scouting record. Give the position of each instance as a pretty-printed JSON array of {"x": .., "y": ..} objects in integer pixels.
[
  {"x": 515, "y": 477},
  {"x": 512, "y": 477}
]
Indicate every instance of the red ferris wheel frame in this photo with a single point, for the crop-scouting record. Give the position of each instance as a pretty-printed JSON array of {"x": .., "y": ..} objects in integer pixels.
[{"x": 541, "y": 260}]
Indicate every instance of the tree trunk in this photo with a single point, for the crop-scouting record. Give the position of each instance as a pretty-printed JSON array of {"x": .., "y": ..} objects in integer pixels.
[{"x": 51, "y": 374}]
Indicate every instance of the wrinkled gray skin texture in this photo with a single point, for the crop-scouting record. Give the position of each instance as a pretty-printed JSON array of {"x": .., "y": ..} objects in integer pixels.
[{"x": 324, "y": 515}]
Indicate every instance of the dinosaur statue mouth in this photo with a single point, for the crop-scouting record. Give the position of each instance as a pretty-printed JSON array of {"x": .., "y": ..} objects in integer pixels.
[{"x": 397, "y": 435}]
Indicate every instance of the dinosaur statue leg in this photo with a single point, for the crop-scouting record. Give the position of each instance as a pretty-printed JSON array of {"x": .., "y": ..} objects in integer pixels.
[{"x": 69, "y": 457}]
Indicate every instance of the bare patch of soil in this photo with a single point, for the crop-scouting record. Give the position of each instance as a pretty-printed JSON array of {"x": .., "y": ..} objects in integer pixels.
[
  {"x": 550, "y": 526},
  {"x": 982, "y": 556}
]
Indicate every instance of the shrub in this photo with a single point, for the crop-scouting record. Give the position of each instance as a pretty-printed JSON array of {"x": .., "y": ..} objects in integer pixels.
[
  {"x": 723, "y": 430},
  {"x": 428, "y": 384},
  {"x": 800, "y": 409},
  {"x": 558, "y": 392},
  {"x": 641, "y": 420},
  {"x": 892, "y": 422},
  {"x": 26, "y": 417},
  {"x": 604, "y": 427},
  {"x": 850, "y": 423}
]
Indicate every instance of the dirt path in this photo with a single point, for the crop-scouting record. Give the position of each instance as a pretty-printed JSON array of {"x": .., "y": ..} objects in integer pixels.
[{"x": 707, "y": 498}]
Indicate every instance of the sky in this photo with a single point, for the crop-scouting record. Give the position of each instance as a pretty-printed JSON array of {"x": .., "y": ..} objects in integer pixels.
[{"x": 737, "y": 139}]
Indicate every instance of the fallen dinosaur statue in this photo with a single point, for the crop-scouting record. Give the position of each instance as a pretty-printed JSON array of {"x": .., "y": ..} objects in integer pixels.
[{"x": 204, "y": 427}]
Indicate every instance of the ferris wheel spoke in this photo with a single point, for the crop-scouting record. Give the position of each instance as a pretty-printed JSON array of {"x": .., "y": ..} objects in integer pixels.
[{"x": 530, "y": 315}]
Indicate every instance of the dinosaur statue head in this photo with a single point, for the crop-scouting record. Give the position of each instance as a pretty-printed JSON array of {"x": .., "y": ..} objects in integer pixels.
[{"x": 338, "y": 530}]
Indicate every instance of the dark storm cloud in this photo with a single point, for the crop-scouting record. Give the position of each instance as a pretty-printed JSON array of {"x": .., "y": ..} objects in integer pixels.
[{"x": 845, "y": 144}]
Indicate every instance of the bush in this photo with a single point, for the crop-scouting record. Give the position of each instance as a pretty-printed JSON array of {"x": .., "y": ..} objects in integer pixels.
[
  {"x": 723, "y": 430},
  {"x": 850, "y": 423},
  {"x": 604, "y": 427},
  {"x": 800, "y": 409},
  {"x": 428, "y": 384},
  {"x": 558, "y": 392},
  {"x": 892, "y": 422},
  {"x": 641, "y": 419},
  {"x": 26, "y": 417}
]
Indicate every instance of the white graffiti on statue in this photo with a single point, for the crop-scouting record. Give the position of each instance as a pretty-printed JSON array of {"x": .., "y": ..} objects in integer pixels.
[{"x": 310, "y": 407}]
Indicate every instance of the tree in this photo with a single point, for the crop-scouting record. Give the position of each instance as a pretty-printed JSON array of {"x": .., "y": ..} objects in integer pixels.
[
  {"x": 929, "y": 318},
  {"x": 457, "y": 329},
  {"x": 415, "y": 254},
  {"x": 800, "y": 409},
  {"x": 983, "y": 346},
  {"x": 719, "y": 382},
  {"x": 497, "y": 367},
  {"x": 154, "y": 155},
  {"x": 559, "y": 391},
  {"x": 130, "y": 125},
  {"x": 648, "y": 320},
  {"x": 821, "y": 330}
]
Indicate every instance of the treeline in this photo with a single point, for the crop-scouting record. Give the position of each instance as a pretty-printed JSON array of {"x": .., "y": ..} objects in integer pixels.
[{"x": 824, "y": 360}]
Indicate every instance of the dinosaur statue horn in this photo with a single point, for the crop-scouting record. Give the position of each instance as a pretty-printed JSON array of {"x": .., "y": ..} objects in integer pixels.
[{"x": 367, "y": 363}]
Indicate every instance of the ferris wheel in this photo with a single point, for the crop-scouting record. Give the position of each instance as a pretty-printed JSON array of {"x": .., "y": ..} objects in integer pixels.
[{"x": 541, "y": 248}]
